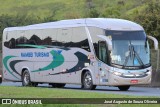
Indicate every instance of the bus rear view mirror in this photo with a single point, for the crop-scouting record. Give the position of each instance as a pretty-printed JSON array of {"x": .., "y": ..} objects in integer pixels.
[
  {"x": 108, "y": 41},
  {"x": 155, "y": 41}
]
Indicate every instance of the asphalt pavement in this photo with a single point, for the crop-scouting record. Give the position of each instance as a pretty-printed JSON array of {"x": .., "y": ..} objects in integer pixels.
[{"x": 135, "y": 91}]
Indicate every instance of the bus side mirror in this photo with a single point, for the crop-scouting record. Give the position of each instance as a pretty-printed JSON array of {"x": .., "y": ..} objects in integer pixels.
[
  {"x": 155, "y": 41},
  {"x": 108, "y": 41}
]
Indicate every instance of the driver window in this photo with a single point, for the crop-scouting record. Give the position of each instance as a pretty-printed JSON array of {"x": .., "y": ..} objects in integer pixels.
[{"x": 102, "y": 51}]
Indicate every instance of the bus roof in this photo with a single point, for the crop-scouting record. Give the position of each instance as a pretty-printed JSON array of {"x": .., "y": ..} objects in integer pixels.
[{"x": 105, "y": 23}]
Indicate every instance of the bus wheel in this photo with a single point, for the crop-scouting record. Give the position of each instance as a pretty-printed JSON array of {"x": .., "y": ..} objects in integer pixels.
[
  {"x": 87, "y": 81},
  {"x": 34, "y": 84},
  {"x": 124, "y": 88},
  {"x": 58, "y": 85},
  {"x": 0, "y": 79},
  {"x": 26, "y": 78}
]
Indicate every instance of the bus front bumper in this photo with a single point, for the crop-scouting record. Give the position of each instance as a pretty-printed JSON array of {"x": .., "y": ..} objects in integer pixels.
[{"x": 117, "y": 80}]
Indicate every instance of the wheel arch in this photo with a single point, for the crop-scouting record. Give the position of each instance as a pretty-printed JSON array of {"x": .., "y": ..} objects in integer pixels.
[
  {"x": 92, "y": 74},
  {"x": 26, "y": 68}
]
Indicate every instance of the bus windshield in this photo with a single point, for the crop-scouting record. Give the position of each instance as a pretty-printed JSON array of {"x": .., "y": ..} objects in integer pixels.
[{"x": 129, "y": 49}]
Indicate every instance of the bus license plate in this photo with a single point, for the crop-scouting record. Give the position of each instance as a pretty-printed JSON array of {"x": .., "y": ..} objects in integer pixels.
[{"x": 134, "y": 81}]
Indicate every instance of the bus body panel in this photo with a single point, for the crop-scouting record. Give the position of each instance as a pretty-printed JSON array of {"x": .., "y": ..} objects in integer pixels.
[
  {"x": 66, "y": 72},
  {"x": 47, "y": 51}
]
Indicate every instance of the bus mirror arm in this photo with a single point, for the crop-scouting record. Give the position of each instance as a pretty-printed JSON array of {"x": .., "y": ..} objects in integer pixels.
[
  {"x": 156, "y": 48},
  {"x": 108, "y": 41},
  {"x": 109, "y": 46},
  {"x": 154, "y": 40}
]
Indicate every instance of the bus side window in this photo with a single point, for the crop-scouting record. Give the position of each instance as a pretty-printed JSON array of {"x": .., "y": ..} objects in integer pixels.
[
  {"x": 20, "y": 39},
  {"x": 80, "y": 39},
  {"x": 64, "y": 37},
  {"x": 10, "y": 41},
  {"x": 49, "y": 37},
  {"x": 102, "y": 51},
  {"x": 35, "y": 37}
]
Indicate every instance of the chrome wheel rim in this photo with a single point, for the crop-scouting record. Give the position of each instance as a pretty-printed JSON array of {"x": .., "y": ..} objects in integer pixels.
[
  {"x": 26, "y": 78},
  {"x": 88, "y": 79}
]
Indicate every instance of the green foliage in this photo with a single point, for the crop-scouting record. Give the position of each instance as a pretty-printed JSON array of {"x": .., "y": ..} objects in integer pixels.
[
  {"x": 42, "y": 92},
  {"x": 22, "y": 12},
  {"x": 36, "y": 92},
  {"x": 19, "y": 20},
  {"x": 93, "y": 13},
  {"x": 150, "y": 19},
  {"x": 112, "y": 12}
]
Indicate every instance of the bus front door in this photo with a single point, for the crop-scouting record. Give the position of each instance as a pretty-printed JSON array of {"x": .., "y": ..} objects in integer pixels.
[{"x": 102, "y": 63}]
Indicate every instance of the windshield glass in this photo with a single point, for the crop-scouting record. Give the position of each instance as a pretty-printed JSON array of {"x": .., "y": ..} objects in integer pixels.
[{"x": 129, "y": 48}]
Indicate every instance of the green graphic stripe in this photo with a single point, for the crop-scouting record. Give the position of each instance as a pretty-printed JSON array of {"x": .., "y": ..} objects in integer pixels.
[
  {"x": 58, "y": 60},
  {"x": 34, "y": 46},
  {"x": 5, "y": 60}
]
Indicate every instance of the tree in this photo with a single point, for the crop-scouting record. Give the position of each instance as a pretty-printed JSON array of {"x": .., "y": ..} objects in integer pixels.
[
  {"x": 18, "y": 20},
  {"x": 93, "y": 13},
  {"x": 150, "y": 19},
  {"x": 113, "y": 12}
]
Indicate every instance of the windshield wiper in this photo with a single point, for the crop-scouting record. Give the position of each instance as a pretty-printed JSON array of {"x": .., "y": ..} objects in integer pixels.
[
  {"x": 132, "y": 54},
  {"x": 138, "y": 57}
]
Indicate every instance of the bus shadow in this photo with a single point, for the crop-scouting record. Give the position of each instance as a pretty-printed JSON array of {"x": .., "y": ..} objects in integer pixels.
[
  {"x": 107, "y": 89},
  {"x": 90, "y": 90}
]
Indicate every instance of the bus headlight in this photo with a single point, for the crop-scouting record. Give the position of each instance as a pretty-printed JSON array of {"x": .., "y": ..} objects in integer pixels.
[
  {"x": 117, "y": 73},
  {"x": 148, "y": 72}
]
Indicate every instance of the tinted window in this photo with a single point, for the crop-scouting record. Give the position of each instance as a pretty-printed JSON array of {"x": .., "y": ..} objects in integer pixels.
[
  {"x": 35, "y": 37},
  {"x": 64, "y": 37},
  {"x": 49, "y": 37},
  {"x": 94, "y": 32},
  {"x": 10, "y": 41},
  {"x": 80, "y": 39},
  {"x": 103, "y": 51},
  {"x": 126, "y": 35}
]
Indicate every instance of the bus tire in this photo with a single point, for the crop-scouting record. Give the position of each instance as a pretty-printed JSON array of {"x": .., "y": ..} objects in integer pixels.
[
  {"x": 58, "y": 85},
  {"x": 26, "y": 78},
  {"x": 124, "y": 88},
  {"x": 0, "y": 80},
  {"x": 34, "y": 84},
  {"x": 87, "y": 81}
]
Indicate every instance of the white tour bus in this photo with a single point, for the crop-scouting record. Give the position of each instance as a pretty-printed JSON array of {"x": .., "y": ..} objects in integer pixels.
[{"x": 89, "y": 52}]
